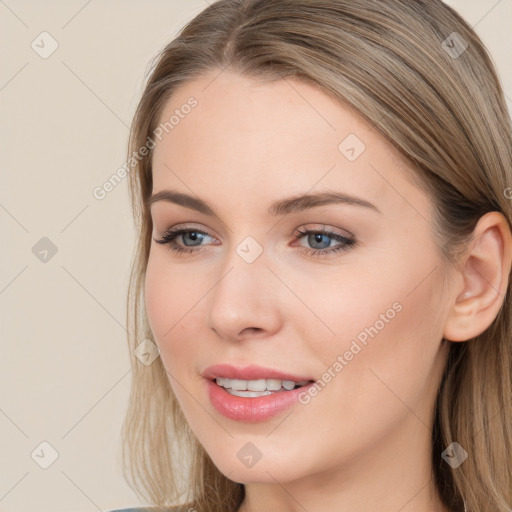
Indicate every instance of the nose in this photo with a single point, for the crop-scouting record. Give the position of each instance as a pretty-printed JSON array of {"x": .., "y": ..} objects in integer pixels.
[{"x": 245, "y": 301}]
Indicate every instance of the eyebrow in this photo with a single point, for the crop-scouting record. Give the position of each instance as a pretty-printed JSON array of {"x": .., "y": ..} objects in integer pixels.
[{"x": 281, "y": 207}]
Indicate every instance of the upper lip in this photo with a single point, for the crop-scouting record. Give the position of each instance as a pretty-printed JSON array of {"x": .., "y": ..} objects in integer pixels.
[{"x": 251, "y": 372}]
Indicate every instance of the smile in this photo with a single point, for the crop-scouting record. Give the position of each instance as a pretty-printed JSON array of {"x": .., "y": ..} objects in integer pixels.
[{"x": 258, "y": 387}]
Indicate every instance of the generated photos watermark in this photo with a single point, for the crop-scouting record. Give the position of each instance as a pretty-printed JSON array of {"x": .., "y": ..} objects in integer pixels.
[
  {"x": 343, "y": 360},
  {"x": 100, "y": 192}
]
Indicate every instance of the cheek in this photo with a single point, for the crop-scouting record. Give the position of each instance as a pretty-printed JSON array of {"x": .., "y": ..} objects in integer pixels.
[
  {"x": 387, "y": 319},
  {"x": 175, "y": 312},
  {"x": 389, "y": 303},
  {"x": 169, "y": 296},
  {"x": 354, "y": 302},
  {"x": 390, "y": 354},
  {"x": 159, "y": 300}
]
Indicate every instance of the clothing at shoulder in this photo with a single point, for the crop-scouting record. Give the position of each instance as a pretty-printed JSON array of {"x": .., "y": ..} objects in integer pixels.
[
  {"x": 179, "y": 508},
  {"x": 132, "y": 510}
]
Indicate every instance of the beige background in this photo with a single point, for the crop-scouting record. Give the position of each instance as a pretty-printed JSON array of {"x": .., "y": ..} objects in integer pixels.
[{"x": 64, "y": 370}]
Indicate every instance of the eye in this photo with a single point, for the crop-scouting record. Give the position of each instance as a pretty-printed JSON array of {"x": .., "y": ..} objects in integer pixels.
[
  {"x": 195, "y": 236},
  {"x": 318, "y": 238}
]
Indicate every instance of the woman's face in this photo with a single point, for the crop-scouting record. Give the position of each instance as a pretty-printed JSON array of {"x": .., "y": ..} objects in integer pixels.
[{"x": 363, "y": 315}]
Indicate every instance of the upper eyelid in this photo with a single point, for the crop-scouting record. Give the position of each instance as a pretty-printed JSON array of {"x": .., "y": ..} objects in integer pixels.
[{"x": 311, "y": 226}]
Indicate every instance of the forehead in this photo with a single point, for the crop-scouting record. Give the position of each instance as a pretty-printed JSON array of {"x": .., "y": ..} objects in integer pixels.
[{"x": 260, "y": 137}]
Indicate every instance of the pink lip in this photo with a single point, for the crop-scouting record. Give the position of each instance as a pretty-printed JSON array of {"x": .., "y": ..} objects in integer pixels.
[
  {"x": 250, "y": 409},
  {"x": 252, "y": 372}
]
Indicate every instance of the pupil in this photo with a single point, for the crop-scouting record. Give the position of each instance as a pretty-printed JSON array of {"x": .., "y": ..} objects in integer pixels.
[
  {"x": 193, "y": 235},
  {"x": 317, "y": 238}
]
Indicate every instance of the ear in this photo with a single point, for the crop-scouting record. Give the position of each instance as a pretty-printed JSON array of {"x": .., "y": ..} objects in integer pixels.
[{"x": 483, "y": 275}]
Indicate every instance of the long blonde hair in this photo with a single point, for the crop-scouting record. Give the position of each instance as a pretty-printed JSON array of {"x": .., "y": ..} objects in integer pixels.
[{"x": 400, "y": 65}]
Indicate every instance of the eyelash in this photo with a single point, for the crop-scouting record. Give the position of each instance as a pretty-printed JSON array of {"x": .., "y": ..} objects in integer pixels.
[{"x": 347, "y": 243}]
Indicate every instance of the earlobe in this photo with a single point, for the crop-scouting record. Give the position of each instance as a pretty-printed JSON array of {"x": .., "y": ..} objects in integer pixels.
[{"x": 484, "y": 275}]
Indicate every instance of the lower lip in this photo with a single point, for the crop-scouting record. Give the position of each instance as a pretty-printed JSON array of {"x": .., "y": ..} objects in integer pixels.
[{"x": 252, "y": 409}]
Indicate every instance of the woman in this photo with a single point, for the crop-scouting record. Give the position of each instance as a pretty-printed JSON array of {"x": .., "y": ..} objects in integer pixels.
[{"x": 322, "y": 193}]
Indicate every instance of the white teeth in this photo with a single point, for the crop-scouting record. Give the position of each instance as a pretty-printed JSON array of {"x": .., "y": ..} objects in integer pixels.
[
  {"x": 240, "y": 385},
  {"x": 221, "y": 381},
  {"x": 273, "y": 384},
  {"x": 257, "y": 386},
  {"x": 248, "y": 394},
  {"x": 254, "y": 385},
  {"x": 288, "y": 384}
]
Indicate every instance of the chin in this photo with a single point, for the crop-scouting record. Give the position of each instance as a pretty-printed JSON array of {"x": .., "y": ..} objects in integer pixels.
[{"x": 261, "y": 469}]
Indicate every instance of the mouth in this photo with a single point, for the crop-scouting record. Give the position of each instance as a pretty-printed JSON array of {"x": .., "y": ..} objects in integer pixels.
[
  {"x": 258, "y": 387},
  {"x": 253, "y": 393}
]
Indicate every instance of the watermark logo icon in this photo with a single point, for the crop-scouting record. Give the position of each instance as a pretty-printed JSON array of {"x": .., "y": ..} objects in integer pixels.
[
  {"x": 146, "y": 352},
  {"x": 249, "y": 455},
  {"x": 44, "y": 45},
  {"x": 454, "y": 455},
  {"x": 352, "y": 147},
  {"x": 44, "y": 250},
  {"x": 455, "y": 45},
  {"x": 249, "y": 249},
  {"x": 44, "y": 455}
]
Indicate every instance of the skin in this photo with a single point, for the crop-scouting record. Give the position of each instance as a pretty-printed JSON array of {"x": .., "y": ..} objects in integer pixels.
[{"x": 363, "y": 443}]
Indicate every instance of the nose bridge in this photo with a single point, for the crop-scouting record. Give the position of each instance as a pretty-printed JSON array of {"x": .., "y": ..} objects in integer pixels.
[
  {"x": 241, "y": 297},
  {"x": 244, "y": 275}
]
